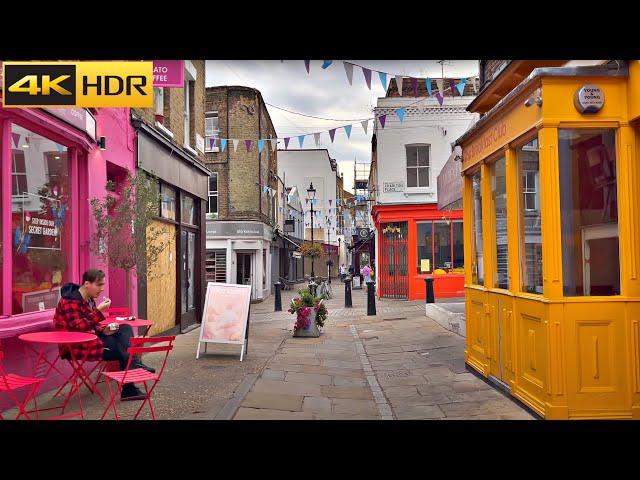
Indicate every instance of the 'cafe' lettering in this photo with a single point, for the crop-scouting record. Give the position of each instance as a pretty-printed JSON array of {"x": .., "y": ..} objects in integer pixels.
[{"x": 487, "y": 140}]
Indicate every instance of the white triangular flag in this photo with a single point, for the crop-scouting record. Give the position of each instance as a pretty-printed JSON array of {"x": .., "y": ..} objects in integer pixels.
[
  {"x": 348, "y": 68},
  {"x": 399, "y": 79},
  {"x": 274, "y": 144},
  {"x": 235, "y": 145},
  {"x": 364, "y": 125},
  {"x": 440, "y": 83},
  {"x": 316, "y": 136}
]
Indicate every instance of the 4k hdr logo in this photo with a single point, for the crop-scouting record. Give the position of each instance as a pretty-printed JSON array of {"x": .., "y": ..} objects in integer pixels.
[{"x": 78, "y": 84}]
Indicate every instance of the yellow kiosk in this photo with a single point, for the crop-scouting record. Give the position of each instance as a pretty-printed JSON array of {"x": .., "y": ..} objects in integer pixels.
[{"x": 552, "y": 235}]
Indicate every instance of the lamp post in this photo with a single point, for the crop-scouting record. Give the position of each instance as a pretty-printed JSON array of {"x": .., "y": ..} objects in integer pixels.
[{"x": 312, "y": 195}]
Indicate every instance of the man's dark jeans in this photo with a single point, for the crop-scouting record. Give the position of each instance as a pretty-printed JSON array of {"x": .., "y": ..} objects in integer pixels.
[{"x": 116, "y": 345}]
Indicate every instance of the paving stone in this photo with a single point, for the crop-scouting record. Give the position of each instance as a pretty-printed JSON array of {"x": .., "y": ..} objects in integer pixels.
[
  {"x": 310, "y": 378},
  {"x": 362, "y": 393},
  {"x": 404, "y": 391},
  {"x": 385, "y": 410},
  {"x": 266, "y": 414},
  {"x": 291, "y": 360},
  {"x": 273, "y": 401},
  {"x": 287, "y": 388},
  {"x": 273, "y": 374},
  {"x": 400, "y": 381},
  {"x": 473, "y": 386},
  {"x": 344, "y": 381},
  {"x": 340, "y": 364},
  {"x": 344, "y": 416},
  {"x": 438, "y": 389},
  {"x": 360, "y": 407},
  {"x": 418, "y": 412},
  {"x": 418, "y": 400},
  {"x": 316, "y": 405}
]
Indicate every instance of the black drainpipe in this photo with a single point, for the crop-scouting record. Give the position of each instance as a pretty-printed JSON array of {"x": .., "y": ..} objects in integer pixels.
[{"x": 259, "y": 159}]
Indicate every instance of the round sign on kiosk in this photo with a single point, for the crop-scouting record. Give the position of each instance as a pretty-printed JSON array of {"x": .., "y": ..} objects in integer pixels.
[{"x": 589, "y": 99}]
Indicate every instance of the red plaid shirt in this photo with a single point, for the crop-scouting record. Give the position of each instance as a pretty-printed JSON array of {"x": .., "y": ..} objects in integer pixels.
[{"x": 78, "y": 316}]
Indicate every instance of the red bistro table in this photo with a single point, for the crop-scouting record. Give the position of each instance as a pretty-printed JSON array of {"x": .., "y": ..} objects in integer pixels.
[
  {"x": 138, "y": 322},
  {"x": 61, "y": 338}
]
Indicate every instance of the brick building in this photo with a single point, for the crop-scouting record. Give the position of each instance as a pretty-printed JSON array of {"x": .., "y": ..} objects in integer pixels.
[
  {"x": 243, "y": 202},
  {"x": 170, "y": 146}
]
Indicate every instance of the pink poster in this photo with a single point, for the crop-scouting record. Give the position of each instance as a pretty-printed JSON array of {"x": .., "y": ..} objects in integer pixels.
[
  {"x": 168, "y": 73},
  {"x": 225, "y": 313}
]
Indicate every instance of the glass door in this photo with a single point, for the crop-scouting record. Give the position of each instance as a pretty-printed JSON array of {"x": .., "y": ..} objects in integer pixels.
[{"x": 188, "y": 278}]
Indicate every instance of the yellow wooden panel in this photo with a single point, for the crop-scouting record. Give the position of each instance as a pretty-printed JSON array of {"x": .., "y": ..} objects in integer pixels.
[
  {"x": 532, "y": 346},
  {"x": 161, "y": 284},
  {"x": 477, "y": 331}
]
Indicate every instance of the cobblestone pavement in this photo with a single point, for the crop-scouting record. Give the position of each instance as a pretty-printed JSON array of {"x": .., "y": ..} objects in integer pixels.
[{"x": 395, "y": 365}]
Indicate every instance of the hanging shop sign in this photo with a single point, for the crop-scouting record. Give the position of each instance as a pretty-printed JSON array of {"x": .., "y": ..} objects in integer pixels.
[
  {"x": 589, "y": 99},
  {"x": 168, "y": 73}
]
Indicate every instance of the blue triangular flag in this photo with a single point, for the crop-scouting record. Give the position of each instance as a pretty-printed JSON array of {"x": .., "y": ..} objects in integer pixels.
[
  {"x": 223, "y": 144},
  {"x": 400, "y": 112},
  {"x": 300, "y": 140},
  {"x": 428, "y": 80},
  {"x": 326, "y": 64},
  {"x": 59, "y": 147},
  {"x": 347, "y": 129},
  {"x": 260, "y": 145},
  {"x": 383, "y": 79},
  {"x": 16, "y": 237},
  {"x": 461, "y": 85}
]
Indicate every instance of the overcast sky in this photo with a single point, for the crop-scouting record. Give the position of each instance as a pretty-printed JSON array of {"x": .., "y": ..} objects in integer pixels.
[{"x": 326, "y": 93}]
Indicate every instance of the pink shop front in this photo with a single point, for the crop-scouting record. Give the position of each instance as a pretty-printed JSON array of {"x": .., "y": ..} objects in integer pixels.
[{"x": 51, "y": 168}]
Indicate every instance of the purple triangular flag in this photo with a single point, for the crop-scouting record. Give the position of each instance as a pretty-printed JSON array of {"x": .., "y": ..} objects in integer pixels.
[
  {"x": 414, "y": 84},
  {"x": 440, "y": 98},
  {"x": 212, "y": 143},
  {"x": 306, "y": 65},
  {"x": 453, "y": 87},
  {"x": 332, "y": 133},
  {"x": 348, "y": 68},
  {"x": 286, "y": 142},
  {"x": 382, "y": 119},
  {"x": 367, "y": 76},
  {"x": 329, "y": 203},
  {"x": 248, "y": 144},
  {"x": 16, "y": 139}
]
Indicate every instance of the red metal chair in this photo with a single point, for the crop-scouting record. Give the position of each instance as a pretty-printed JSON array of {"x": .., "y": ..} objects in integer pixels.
[
  {"x": 10, "y": 382},
  {"x": 138, "y": 375}
]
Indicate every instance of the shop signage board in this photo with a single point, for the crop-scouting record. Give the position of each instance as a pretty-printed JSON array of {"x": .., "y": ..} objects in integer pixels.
[
  {"x": 168, "y": 73},
  {"x": 390, "y": 187},
  {"x": 77, "y": 117},
  {"x": 450, "y": 181},
  {"x": 589, "y": 99},
  {"x": 225, "y": 318},
  {"x": 356, "y": 282}
]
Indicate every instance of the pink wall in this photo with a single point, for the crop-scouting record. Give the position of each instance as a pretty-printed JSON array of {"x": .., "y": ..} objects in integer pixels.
[{"x": 89, "y": 166}]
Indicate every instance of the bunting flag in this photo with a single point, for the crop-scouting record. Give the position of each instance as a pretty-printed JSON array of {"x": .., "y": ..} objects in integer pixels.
[
  {"x": 235, "y": 145},
  {"x": 332, "y": 134},
  {"x": 60, "y": 148},
  {"x": 399, "y": 79},
  {"x": 347, "y": 129},
  {"x": 307, "y": 202},
  {"x": 367, "y": 76},
  {"x": 452, "y": 84},
  {"x": 301, "y": 140},
  {"x": 274, "y": 144},
  {"x": 383, "y": 80},
  {"x": 248, "y": 143},
  {"x": 440, "y": 83},
  {"x": 400, "y": 113},
  {"x": 16, "y": 140},
  {"x": 326, "y": 64},
  {"x": 260, "y": 145},
  {"x": 364, "y": 126},
  {"x": 329, "y": 201},
  {"x": 212, "y": 143},
  {"x": 428, "y": 80},
  {"x": 348, "y": 68},
  {"x": 223, "y": 144},
  {"x": 475, "y": 86},
  {"x": 316, "y": 137},
  {"x": 286, "y": 142},
  {"x": 440, "y": 98},
  {"x": 306, "y": 65},
  {"x": 414, "y": 84},
  {"x": 382, "y": 119},
  {"x": 460, "y": 86}
]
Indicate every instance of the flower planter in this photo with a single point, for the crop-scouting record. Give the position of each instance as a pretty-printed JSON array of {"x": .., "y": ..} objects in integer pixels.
[{"x": 306, "y": 321}]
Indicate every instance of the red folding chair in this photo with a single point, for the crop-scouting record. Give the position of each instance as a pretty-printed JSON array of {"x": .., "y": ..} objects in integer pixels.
[
  {"x": 138, "y": 375},
  {"x": 10, "y": 382}
]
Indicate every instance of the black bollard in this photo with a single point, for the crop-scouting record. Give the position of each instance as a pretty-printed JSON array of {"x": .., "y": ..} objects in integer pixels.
[
  {"x": 347, "y": 292},
  {"x": 371, "y": 298},
  {"x": 429, "y": 284},
  {"x": 278, "y": 308}
]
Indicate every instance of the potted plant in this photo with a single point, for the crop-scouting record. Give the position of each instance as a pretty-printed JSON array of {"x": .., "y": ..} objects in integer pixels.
[{"x": 310, "y": 312}]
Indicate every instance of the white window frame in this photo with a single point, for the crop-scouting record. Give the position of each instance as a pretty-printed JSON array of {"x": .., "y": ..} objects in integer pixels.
[
  {"x": 417, "y": 168},
  {"x": 212, "y": 193},
  {"x": 214, "y": 133},
  {"x": 15, "y": 174},
  {"x": 530, "y": 190}
]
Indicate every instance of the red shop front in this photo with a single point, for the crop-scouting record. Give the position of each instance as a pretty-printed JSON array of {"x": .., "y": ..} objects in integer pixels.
[{"x": 415, "y": 241}]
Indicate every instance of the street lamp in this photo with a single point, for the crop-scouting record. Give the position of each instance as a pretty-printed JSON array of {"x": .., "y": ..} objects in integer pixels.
[{"x": 312, "y": 195}]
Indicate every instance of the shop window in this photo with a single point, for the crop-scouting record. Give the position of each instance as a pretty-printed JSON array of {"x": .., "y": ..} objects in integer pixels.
[
  {"x": 425, "y": 245},
  {"x": 530, "y": 226},
  {"x": 477, "y": 269},
  {"x": 167, "y": 202},
  {"x": 216, "y": 266},
  {"x": 442, "y": 245},
  {"x": 458, "y": 246},
  {"x": 418, "y": 169},
  {"x": 40, "y": 214},
  {"x": 212, "y": 205},
  {"x": 188, "y": 211},
  {"x": 589, "y": 212},
  {"x": 499, "y": 209},
  {"x": 211, "y": 131}
]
